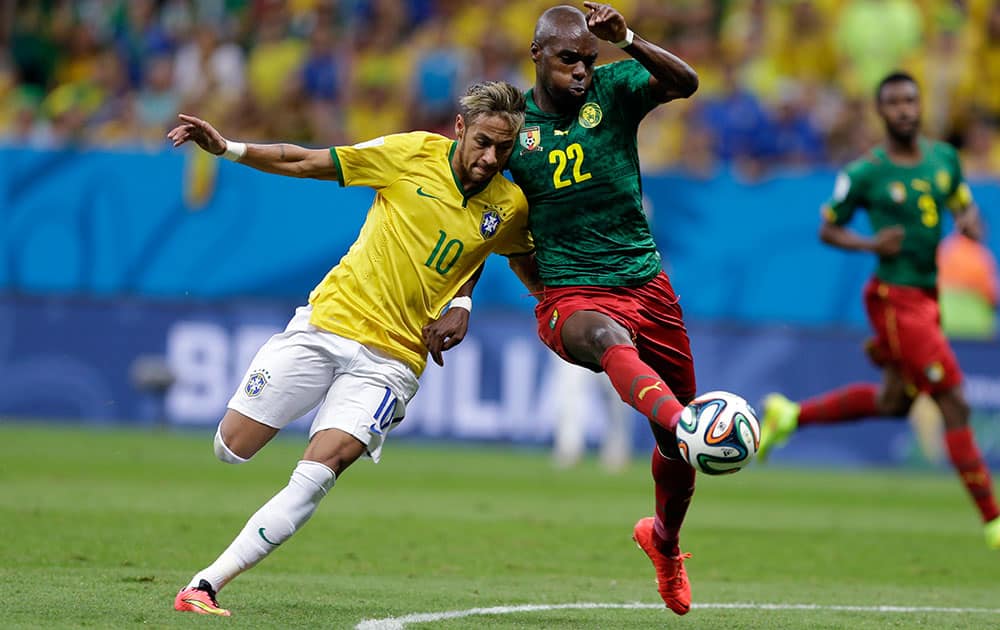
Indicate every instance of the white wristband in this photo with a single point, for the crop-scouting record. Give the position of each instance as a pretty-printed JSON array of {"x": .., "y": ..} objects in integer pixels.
[
  {"x": 462, "y": 301},
  {"x": 234, "y": 150},
  {"x": 629, "y": 36}
]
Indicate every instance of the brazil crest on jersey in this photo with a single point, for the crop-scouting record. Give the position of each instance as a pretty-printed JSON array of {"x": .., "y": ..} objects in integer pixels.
[
  {"x": 580, "y": 173},
  {"x": 423, "y": 238},
  {"x": 910, "y": 196}
]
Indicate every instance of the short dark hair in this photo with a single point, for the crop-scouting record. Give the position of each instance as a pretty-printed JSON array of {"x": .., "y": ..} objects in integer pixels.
[{"x": 898, "y": 76}]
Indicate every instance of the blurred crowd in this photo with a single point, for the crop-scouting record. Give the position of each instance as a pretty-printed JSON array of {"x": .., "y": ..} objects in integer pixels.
[{"x": 784, "y": 83}]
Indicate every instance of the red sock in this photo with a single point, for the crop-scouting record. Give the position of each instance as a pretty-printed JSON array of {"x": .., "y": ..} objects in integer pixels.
[
  {"x": 851, "y": 402},
  {"x": 639, "y": 386},
  {"x": 674, "y": 487},
  {"x": 975, "y": 475}
]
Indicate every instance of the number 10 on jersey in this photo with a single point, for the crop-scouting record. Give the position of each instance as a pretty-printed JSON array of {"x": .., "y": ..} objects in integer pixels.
[{"x": 443, "y": 259}]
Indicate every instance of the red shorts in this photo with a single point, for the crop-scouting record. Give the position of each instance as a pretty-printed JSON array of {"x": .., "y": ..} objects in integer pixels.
[
  {"x": 649, "y": 312},
  {"x": 908, "y": 335}
]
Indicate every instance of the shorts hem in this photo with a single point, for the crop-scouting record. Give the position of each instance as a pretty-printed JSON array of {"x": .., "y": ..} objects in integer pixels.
[{"x": 246, "y": 412}]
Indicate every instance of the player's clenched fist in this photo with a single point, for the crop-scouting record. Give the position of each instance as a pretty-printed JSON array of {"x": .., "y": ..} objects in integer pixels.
[{"x": 605, "y": 22}]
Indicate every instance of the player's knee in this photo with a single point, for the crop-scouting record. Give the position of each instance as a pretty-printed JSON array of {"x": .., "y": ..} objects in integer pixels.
[
  {"x": 897, "y": 408},
  {"x": 954, "y": 408},
  {"x": 964, "y": 410},
  {"x": 224, "y": 453}
]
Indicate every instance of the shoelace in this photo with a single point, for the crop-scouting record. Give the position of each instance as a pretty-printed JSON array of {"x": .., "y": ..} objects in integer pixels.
[
  {"x": 679, "y": 564},
  {"x": 203, "y": 585}
]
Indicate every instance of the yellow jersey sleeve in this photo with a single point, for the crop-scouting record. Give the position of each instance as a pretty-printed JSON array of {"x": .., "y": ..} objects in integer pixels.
[{"x": 377, "y": 163}]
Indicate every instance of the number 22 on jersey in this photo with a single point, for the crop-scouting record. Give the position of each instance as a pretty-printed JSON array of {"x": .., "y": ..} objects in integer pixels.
[{"x": 573, "y": 154}]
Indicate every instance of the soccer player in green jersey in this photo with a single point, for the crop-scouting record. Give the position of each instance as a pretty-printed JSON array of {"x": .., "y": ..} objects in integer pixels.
[
  {"x": 904, "y": 185},
  {"x": 604, "y": 301},
  {"x": 359, "y": 346}
]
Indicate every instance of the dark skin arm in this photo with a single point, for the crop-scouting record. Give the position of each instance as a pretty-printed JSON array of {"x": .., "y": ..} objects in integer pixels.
[
  {"x": 281, "y": 159},
  {"x": 969, "y": 223},
  {"x": 671, "y": 76},
  {"x": 886, "y": 243},
  {"x": 526, "y": 269},
  {"x": 447, "y": 331}
]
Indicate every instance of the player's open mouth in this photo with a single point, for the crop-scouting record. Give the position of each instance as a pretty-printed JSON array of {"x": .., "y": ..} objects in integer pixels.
[{"x": 577, "y": 90}]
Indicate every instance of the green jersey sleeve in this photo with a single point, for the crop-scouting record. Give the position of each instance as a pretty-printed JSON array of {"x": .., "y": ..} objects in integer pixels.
[
  {"x": 959, "y": 193},
  {"x": 849, "y": 194},
  {"x": 631, "y": 90}
]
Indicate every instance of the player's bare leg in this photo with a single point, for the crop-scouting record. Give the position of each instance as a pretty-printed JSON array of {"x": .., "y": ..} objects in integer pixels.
[
  {"x": 241, "y": 436},
  {"x": 968, "y": 461},
  {"x": 895, "y": 397},
  {"x": 595, "y": 339},
  {"x": 856, "y": 401},
  {"x": 328, "y": 454}
]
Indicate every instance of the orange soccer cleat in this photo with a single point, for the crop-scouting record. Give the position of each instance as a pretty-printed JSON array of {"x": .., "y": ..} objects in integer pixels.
[
  {"x": 199, "y": 599},
  {"x": 671, "y": 578}
]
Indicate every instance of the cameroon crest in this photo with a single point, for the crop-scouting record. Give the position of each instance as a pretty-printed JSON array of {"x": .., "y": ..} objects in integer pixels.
[
  {"x": 590, "y": 115},
  {"x": 531, "y": 139},
  {"x": 897, "y": 191}
]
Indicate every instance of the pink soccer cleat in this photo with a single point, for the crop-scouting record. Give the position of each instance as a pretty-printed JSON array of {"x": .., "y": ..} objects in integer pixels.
[{"x": 199, "y": 599}]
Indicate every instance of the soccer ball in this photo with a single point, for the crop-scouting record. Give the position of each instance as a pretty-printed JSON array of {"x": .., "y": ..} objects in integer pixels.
[{"x": 718, "y": 433}]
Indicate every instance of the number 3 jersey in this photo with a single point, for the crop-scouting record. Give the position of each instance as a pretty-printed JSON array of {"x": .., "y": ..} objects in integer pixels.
[
  {"x": 423, "y": 238},
  {"x": 580, "y": 173},
  {"x": 911, "y": 196}
]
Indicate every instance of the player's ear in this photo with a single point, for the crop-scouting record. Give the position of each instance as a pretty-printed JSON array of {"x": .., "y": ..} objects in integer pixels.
[
  {"x": 459, "y": 127},
  {"x": 536, "y": 52}
]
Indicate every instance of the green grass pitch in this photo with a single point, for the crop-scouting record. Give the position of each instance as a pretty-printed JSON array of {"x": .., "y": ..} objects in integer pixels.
[{"x": 102, "y": 526}]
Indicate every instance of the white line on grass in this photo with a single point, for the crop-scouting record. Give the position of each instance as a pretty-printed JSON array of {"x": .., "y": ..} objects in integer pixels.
[{"x": 398, "y": 623}]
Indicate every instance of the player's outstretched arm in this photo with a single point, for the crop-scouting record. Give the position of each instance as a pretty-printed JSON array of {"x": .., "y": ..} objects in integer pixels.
[
  {"x": 672, "y": 76},
  {"x": 281, "y": 159}
]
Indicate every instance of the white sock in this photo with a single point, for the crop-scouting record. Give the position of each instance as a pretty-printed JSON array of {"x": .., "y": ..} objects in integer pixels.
[{"x": 273, "y": 524}]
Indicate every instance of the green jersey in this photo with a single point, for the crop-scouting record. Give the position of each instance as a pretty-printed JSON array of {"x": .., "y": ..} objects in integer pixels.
[
  {"x": 910, "y": 196},
  {"x": 580, "y": 173}
]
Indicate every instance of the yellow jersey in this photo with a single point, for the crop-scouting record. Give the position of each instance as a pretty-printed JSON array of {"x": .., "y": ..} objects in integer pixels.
[{"x": 424, "y": 237}]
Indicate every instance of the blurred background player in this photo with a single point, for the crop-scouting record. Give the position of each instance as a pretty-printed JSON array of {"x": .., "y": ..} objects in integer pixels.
[
  {"x": 569, "y": 438},
  {"x": 604, "y": 301},
  {"x": 904, "y": 185},
  {"x": 359, "y": 346},
  {"x": 967, "y": 293},
  {"x": 968, "y": 285}
]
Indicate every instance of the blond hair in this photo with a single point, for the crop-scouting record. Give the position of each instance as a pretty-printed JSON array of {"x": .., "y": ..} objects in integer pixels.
[{"x": 497, "y": 98}]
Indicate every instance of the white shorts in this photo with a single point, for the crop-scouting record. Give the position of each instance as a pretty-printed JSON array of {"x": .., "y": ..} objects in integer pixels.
[{"x": 359, "y": 390}]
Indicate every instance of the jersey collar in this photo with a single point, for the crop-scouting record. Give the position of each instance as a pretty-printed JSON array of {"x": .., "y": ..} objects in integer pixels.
[
  {"x": 883, "y": 155},
  {"x": 537, "y": 112},
  {"x": 458, "y": 184}
]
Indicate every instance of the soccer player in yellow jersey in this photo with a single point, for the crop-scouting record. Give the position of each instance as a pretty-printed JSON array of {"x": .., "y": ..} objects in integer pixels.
[{"x": 359, "y": 346}]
